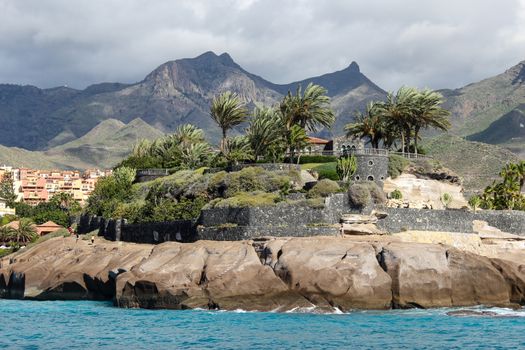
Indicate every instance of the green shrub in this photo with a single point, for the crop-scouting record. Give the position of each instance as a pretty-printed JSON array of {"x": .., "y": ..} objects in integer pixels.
[
  {"x": 246, "y": 199},
  {"x": 475, "y": 202},
  {"x": 396, "y": 194},
  {"x": 323, "y": 188},
  {"x": 396, "y": 165},
  {"x": 446, "y": 199}
]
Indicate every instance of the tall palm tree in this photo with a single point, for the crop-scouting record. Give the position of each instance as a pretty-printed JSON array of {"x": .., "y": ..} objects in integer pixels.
[
  {"x": 428, "y": 113},
  {"x": 398, "y": 111},
  {"x": 265, "y": 130},
  {"x": 227, "y": 110},
  {"x": 310, "y": 110},
  {"x": 297, "y": 140},
  {"x": 369, "y": 124}
]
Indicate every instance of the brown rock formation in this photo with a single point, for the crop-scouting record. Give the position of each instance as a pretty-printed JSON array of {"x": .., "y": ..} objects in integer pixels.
[{"x": 278, "y": 274}]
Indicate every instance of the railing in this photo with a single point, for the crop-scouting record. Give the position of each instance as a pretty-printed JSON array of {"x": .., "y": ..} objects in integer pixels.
[{"x": 359, "y": 151}]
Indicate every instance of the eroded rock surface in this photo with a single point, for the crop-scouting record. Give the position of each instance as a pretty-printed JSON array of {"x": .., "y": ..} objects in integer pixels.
[{"x": 278, "y": 274}]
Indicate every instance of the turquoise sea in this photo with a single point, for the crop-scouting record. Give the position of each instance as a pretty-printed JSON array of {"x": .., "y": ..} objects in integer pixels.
[{"x": 99, "y": 325}]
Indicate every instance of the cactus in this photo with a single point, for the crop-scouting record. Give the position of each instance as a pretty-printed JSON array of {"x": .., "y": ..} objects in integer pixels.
[{"x": 346, "y": 167}]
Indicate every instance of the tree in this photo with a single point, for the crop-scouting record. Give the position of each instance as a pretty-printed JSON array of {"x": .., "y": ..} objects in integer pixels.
[
  {"x": 310, "y": 110},
  {"x": 297, "y": 141},
  {"x": 7, "y": 189},
  {"x": 26, "y": 231},
  {"x": 237, "y": 149},
  {"x": 370, "y": 125},
  {"x": 265, "y": 131},
  {"x": 346, "y": 167},
  {"x": 427, "y": 113},
  {"x": 65, "y": 202},
  {"x": 7, "y": 234},
  {"x": 398, "y": 111},
  {"x": 227, "y": 110}
]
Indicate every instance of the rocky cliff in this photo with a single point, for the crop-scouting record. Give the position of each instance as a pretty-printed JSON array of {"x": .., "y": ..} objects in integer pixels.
[{"x": 276, "y": 274}]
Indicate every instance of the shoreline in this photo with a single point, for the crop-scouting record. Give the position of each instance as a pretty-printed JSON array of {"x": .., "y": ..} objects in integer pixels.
[{"x": 325, "y": 273}]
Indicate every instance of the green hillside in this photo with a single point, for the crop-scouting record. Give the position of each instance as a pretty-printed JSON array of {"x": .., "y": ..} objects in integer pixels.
[
  {"x": 478, "y": 164},
  {"x": 103, "y": 147}
]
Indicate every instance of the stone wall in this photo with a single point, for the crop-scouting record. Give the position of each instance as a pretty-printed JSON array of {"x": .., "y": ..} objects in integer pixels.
[
  {"x": 265, "y": 166},
  {"x": 371, "y": 167},
  {"x": 143, "y": 175},
  {"x": 401, "y": 219}
]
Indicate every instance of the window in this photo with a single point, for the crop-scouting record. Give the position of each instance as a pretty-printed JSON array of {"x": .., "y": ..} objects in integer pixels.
[
  {"x": 370, "y": 162},
  {"x": 370, "y": 178},
  {"x": 357, "y": 178}
]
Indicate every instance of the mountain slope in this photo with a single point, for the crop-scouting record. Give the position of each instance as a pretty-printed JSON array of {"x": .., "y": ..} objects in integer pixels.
[
  {"x": 478, "y": 164},
  {"x": 103, "y": 147},
  {"x": 176, "y": 92},
  {"x": 475, "y": 106}
]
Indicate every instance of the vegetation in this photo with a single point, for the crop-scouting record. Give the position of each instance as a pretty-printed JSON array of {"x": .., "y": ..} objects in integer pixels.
[
  {"x": 24, "y": 233},
  {"x": 475, "y": 202},
  {"x": 227, "y": 110},
  {"x": 7, "y": 189},
  {"x": 446, "y": 199},
  {"x": 362, "y": 194},
  {"x": 396, "y": 165},
  {"x": 507, "y": 194},
  {"x": 324, "y": 188},
  {"x": 396, "y": 194},
  {"x": 346, "y": 167},
  {"x": 400, "y": 118}
]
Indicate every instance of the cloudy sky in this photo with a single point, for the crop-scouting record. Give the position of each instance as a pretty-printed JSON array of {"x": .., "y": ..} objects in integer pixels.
[{"x": 444, "y": 43}]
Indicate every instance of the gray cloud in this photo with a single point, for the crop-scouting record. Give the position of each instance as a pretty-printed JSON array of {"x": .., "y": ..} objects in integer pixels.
[{"x": 423, "y": 43}]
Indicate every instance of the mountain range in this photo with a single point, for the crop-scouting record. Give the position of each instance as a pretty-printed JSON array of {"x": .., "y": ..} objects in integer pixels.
[{"x": 95, "y": 126}]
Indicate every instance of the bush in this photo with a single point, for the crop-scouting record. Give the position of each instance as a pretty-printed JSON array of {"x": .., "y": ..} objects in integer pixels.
[
  {"x": 396, "y": 165},
  {"x": 323, "y": 188},
  {"x": 396, "y": 194},
  {"x": 246, "y": 199},
  {"x": 364, "y": 193},
  {"x": 359, "y": 195}
]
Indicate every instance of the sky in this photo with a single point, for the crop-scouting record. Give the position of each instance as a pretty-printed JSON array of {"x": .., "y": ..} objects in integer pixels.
[{"x": 423, "y": 43}]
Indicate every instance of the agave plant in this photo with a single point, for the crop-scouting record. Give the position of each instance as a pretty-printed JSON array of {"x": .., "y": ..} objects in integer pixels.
[{"x": 346, "y": 167}]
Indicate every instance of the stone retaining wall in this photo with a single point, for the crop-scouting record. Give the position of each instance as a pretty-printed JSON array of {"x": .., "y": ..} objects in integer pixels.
[{"x": 402, "y": 219}]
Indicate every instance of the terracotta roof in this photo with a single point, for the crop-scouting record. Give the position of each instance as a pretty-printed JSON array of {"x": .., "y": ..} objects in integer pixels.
[
  {"x": 317, "y": 140},
  {"x": 50, "y": 224},
  {"x": 13, "y": 224}
]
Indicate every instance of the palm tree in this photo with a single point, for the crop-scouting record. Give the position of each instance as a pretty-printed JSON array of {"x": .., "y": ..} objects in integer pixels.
[
  {"x": 398, "y": 111},
  {"x": 428, "y": 113},
  {"x": 237, "y": 149},
  {"x": 265, "y": 130},
  {"x": 310, "y": 110},
  {"x": 227, "y": 110},
  {"x": 297, "y": 140},
  {"x": 368, "y": 125},
  {"x": 7, "y": 234},
  {"x": 25, "y": 232}
]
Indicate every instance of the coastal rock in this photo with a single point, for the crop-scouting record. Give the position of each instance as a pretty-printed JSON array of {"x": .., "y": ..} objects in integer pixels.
[
  {"x": 206, "y": 274},
  {"x": 335, "y": 272},
  {"x": 63, "y": 268},
  {"x": 356, "y": 272},
  {"x": 429, "y": 275}
]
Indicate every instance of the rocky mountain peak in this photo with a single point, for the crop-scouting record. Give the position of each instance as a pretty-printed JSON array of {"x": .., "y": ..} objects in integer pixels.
[{"x": 354, "y": 67}]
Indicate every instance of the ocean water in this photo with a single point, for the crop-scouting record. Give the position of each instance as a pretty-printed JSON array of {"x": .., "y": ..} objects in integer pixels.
[{"x": 99, "y": 325}]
